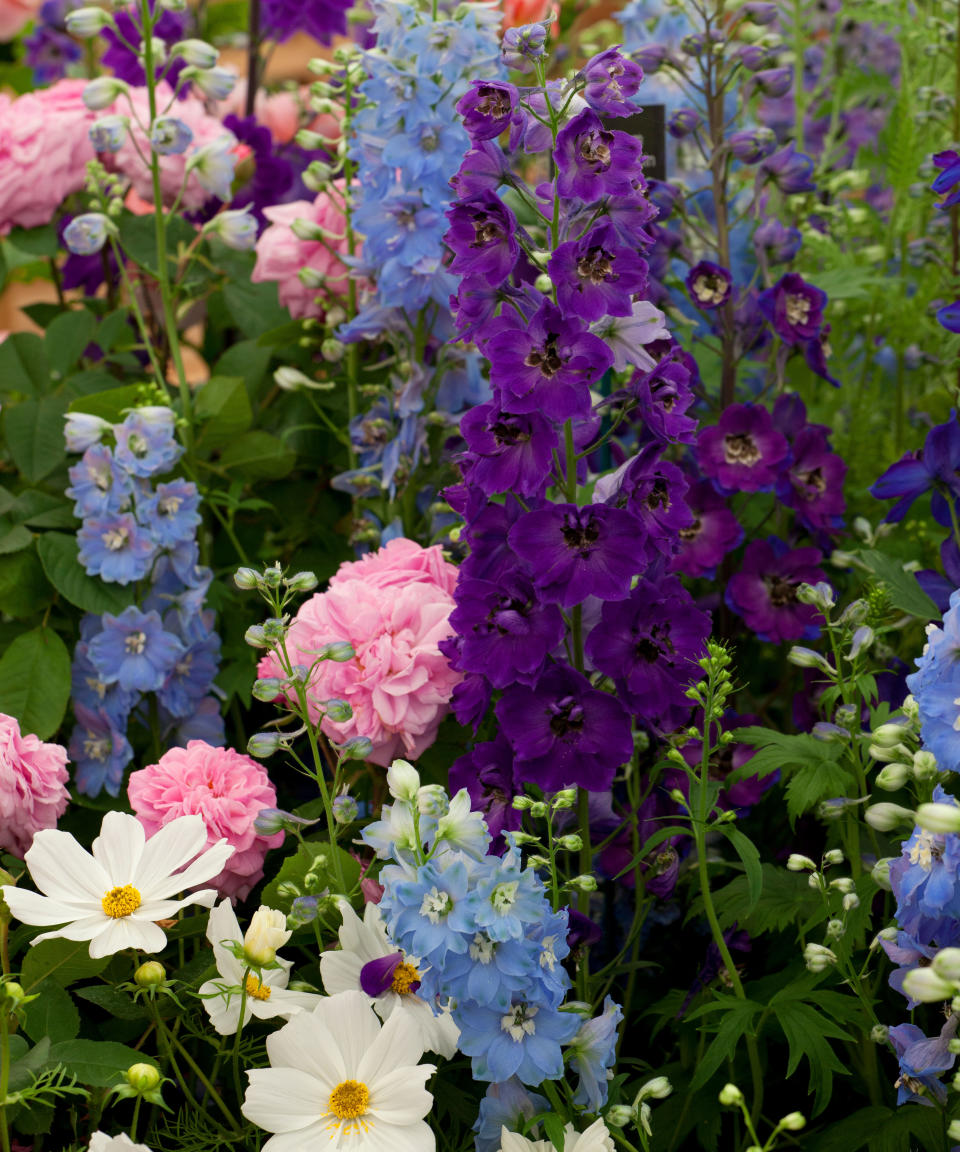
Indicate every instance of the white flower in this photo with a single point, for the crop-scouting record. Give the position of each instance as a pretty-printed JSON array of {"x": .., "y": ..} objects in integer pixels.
[
  {"x": 403, "y": 780},
  {"x": 338, "y": 1079},
  {"x": 99, "y": 1142},
  {"x": 266, "y": 933},
  {"x": 595, "y": 1139},
  {"x": 114, "y": 897},
  {"x": 463, "y": 830},
  {"x": 627, "y": 335},
  {"x": 267, "y": 993},
  {"x": 362, "y": 941}
]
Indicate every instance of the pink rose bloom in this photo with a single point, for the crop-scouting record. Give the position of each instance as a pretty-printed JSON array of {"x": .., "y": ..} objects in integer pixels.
[
  {"x": 14, "y": 14},
  {"x": 516, "y": 13},
  {"x": 281, "y": 255},
  {"x": 205, "y": 128},
  {"x": 393, "y": 607},
  {"x": 228, "y": 790},
  {"x": 44, "y": 149},
  {"x": 33, "y": 786}
]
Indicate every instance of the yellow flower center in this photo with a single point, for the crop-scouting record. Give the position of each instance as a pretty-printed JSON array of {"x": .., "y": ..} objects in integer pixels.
[
  {"x": 349, "y": 1100},
  {"x": 404, "y": 977},
  {"x": 257, "y": 989},
  {"x": 120, "y": 902}
]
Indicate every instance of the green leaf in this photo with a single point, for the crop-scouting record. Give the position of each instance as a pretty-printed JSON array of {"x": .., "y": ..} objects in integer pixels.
[
  {"x": 35, "y": 681},
  {"x": 115, "y": 329},
  {"x": 67, "y": 337},
  {"x": 808, "y": 786},
  {"x": 64, "y": 961},
  {"x": 259, "y": 456},
  {"x": 111, "y": 1000},
  {"x": 23, "y": 365},
  {"x": 26, "y": 1065},
  {"x": 15, "y": 538},
  {"x": 254, "y": 308},
  {"x": 224, "y": 407},
  {"x": 248, "y": 360},
  {"x": 58, "y": 555},
  {"x": 786, "y": 898},
  {"x": 23, "y": 589},
  {"x": 747, "y": 851},
  {"x": 905, "y": 593},
  {"x": 42, "y": 510},
  {"x": 139, "y": 241},
  {"x": 34, "y": 431},
  {"x": 53, "y": 1014},
  {"x": 99, "y": 1063},
  {"x": 807, "y": 1032},
  {"x": 109, "y": 404},
  {"x": 736, "y": 1023},
  {"x": 314, "y": 856},
  {"x": 553, "y": 1127},
  {"x": 40, "y": 241}
]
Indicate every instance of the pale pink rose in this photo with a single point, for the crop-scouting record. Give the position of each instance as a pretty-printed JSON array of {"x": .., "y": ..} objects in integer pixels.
[
  {"x": 281, "y": 255},
  {"x": 394, "y": 614},
  {"x": 227, "y": 789},
  {"x": 33, "y": 786},
  {"x": 277, "y": 111},
  {"x": 205, "y": 128},
  {"x": 519, "y": 12},
  {"x": 44, "y": 149},
  {"x": 14, "y": 14}
]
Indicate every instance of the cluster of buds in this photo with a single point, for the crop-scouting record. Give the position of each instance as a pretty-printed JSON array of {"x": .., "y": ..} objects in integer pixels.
[
  {"x": 639, "y": 1113},
  {"x": 840, "y": 899},
  {"x": 939, "y": 981},
  {"x": 896, "y": 744},
  {"x": 732, "y": 1097},
  {"x": 546, "y": 809}
]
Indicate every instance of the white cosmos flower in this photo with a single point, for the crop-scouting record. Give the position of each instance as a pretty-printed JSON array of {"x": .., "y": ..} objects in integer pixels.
[
  {"x": 595, "y": 1139},
  {"x": 267, "y": 994},
  {"x": 114, "y": 897},
  {"x": 100, "y": 1142},
  {"x": 362, "y": 941},
  {"x": 338, "y": 1079}
]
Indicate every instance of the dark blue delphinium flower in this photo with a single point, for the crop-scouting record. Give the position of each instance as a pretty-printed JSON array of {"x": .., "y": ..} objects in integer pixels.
[
  {"x": 794, "y": 308},
  {"x": 709, "y": 285},
  {"x": 483, "y": 238},
  {"x": 922, "y": 1062},
  {"x": 596, "y": 275},
  {"x": 488, "y": 108},
  {"x": 321, "y": 19},
  {"x": 594, "y": 161},
  {"x": 936, "y": 468},
  {"x": 947, "y": 182}
]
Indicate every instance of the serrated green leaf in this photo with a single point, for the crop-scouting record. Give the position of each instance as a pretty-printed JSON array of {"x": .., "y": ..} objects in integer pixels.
[
  {"x": 807, "y": 1032},
  {"x": 747, "y": 851},
  {"x": 52, "y": 1014},
  {"x": 65, "y": 961},
  {"x": 35, "y": 681},
  {"x": 808, "y": 786},
  {"x": 34, "y": 433},
  {"x": 785, "y": 899},
  {"x": 99, "y": 1063},
  {"x": 905, "y": 593},
  {"x": 58, "y": 555},
  {"x": 737, "y": 1022}
]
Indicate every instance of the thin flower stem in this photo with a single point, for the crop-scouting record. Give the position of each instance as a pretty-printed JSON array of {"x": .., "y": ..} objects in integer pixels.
[
  {"x": 136, "y": 1117},
  {"x": 170, "y": 1041},
  {"x": 235, "y": 1056}
]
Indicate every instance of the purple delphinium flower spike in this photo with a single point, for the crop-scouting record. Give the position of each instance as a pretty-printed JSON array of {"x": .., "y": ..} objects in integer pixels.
[
  {"x": 742, "y": 451},
  {"x": 764, "y": 592}
]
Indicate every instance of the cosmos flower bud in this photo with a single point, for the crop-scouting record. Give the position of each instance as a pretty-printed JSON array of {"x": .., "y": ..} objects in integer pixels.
[
  {"x": 100, "y": 93},
  {"x": 403, "y": 780},
  {"x": 730, "y": 1095},
  {"x": 150, "y": 975},
  {"x": 939, "y": 817},
  {"x": 925, "y": 985},
  {"x": 143, "y": 1078},
  {"x": 266, "y": 933}
]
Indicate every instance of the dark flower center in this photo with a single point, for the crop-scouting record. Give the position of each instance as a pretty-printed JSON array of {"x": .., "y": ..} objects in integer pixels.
[
  {"x": 781, "y": 591},
  {"x": 658, "y": 643},
  {"x": 693, "y": 531},
  {"x": 546, "y": 358},
  {"x": 710, "y": 288},
  {"x": 659, "y": 495},
  {"x": 740, "y": 448},
  {"x": 486, "y": 231},
  {"x": 581, "y": 536},
  {"x": 494, "y": 103},
  {"x": 596, "y": 265},
  {"x": 507, "y": 613},
  {"x": 797, "y": 308},
  {"x": 566, "y": 717},
  {"x": 510, "y": 433},
  {"x": 814, "y": 481},
  {"x": 595, "y": 149}
]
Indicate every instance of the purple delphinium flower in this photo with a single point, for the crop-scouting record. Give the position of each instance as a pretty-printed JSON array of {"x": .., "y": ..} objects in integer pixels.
[
  {"x": 789, "y": 170},
  {"x": 649, "y": 644},
  {"x": 116, "y": 548},
  {"x": 775, "y": 242},
  {"x": 922, "y": 1062},
  {"x": 715, "y": 531},
  {"x": 597, "y": 276},
  {"x": 764, "y": 592},
  {"x": 751, "y": 147},
  {"x": 564, "y": 732},
  {"x": 507, "y": 451},
  {"x": 546, "y": 364},
  {"x": 683, "y": 122},
  {"x": 486, "y": 771},
  {"x": 936, "y": 467},
  {"x": 483, "y": 237},
  {"x": 593, "y": 161},
  {"x": 522, "y": 45},
  {"x": 488, "y": 107},
  {"x": 663, "y": 396},
  {"x": 773, "y": 82},
  {"x": 134, "y": 651},
  {"x": 794, "y": 308},
  {"x": 816, "y": 351},
  {"x": 320, "y": 19},
  {"x": 575, "y": 552},
  {"x": 709, "y": 285},
  {"x": 506, "y": 630},
  {"x": 49, "y": 50},
  {"x": 742, "y": 451},
  {"x": 99, "y": 751},
  {"x": 813, "y": 483},
  {"x": 273, "y": 174},
  {"x": 947, "y": 183},
  {"x": 652, "y": 490},
  {"x": 949, "y": 316},
  {"x": 612, "y": 80}
]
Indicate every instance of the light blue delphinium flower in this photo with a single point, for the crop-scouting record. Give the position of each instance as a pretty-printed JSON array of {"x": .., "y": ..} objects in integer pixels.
[
  {"x": 134, "y": 650},
  {"x": 925, "y": 880},
  {"x": 524, "y": 1040},
  {"x": 594, "y": 1050},
  {"x": 214, "y": 165},
  {"x": 170, "y": 136},
  {"x": 922, "y": 1061},
  {"x": 97, "y": 485},
  {"x": 115, "y": 548},
  {"x": 99, "y": 751},
  {"x": 506, "y": 900},
  {"x": 936, "y": 688},
  {"x": 145, "y": 442},
  {"x": 508, "y": 1105},
  {"x": 171, "y": 512},
  {"x": 86, "y": 234},
  {"x": 427, "y": 914}
]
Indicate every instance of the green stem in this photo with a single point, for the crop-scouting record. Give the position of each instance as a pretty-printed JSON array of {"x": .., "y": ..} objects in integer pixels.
[
  {"x": 325, "y": 797},
  {"x": 235, "y": 1058},
  {"x": 136, "y": 1117},
  {"x": 4, "y": 1078},
  {"x": 171, "y": 1041}
]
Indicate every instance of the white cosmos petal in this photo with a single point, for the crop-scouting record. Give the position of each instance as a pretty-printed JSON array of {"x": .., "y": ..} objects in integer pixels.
[
  {"x": 126, "y": 932},
  {"x": 62, "y": 869},
  {"x": 283, "y": 1099},
  {"x": 222, "y": 925},
  {"x": 223, "y": 1010},
  {"x": 207, "y": 865},
  {"x": 164, "y": 909},
  {"x": 351, "y": 1020},
  {"x": 167, "y": 850},
  {"x": 317, "y": 1136},
  {"x": 283, "y": 1003},
  {"x": 397, "y": 1099},
  {"x": 119, "y": 847},
  {"x": 308, "y": 1044},
  {"x": 340, "y": 971},
  {"x": 382, "y": 1137},
  {"x": 399, "y": 1044},
  {"x": 32, "y": 908},
  {"x": 84, "y": 929}
]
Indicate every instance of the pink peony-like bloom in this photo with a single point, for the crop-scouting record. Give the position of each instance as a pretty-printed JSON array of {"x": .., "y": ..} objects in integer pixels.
[
  {"x": 130, "y": 162},
  {"x": 33, "y": 786},
  {"x": 44, "y": 149},
  {"x": 14, "y": 14},
  {"x": 393, "y": 607},
  {"x": 281, "y": 255},
  {"x": 227, "y": 789}
]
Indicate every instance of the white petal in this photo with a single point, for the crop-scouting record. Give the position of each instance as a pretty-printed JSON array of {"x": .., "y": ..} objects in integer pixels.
[
  {"x": 168, "y": 850},
  {"x": 340, "y": 971},
  {"x": 389, "y": 1138},
  {"x": 165, "y": 909},
  {"x": 126, "y": 932},
  {"x": 286, "y": 1003},
  {"x": 223, "y": 1010},
  {"x": 351, "y": 1020},
  {"x": 222, "y": 925},
  {"x": 119, "y": 847},
  {"x": 308, "y": 1044},
  {"x": 283, "y": 1099},
  {"x": 316, "y": 1137},
  {"x": 399, "y": 1045},
  {"x": 62, "y": 869},
  {"x": 32, "y": 908},
  {"x": 399, "y": 1097},
  {"x": 84, "y": 929}
]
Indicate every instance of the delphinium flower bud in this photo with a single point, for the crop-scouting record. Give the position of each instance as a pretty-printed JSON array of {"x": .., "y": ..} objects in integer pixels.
[
  {"x": 925, "y": 985},
  {"x": 946, "y": 964},
  {"x": 760, "y": 11},
  {"x": 798, "y": 863},
  {"x": 683, "y": 122},
  {"x": 730, "y": 1095},
  {"x": 892, "y": 777},
  {"x": 236, "y": 227},
  {"x": 432, "y": 800},
  {"x": 618, "y": 1116},
  {"x": 340, "y": 651},
  {"x": 247, "y": 579},
  {"x": 881, "y": 873},
  {"x": 818, "y": 958},
  {"x": 85, "y": 23},
  {"x": 925, "y": 765},
  {"x": 301, "y": 582},
  {"x": 357, "y": 748},
  {"x": 214, "y": 83},
  {"x": 659, "y": 1088},
  {"x": 108, "y": 133},
  {"x": 886, "y": 817},
  {"x": 196, "y": 52},
  {"x": 103, "y": 91},
  {"x": 833, "y": 856},
  {"x": 939, "y": 817},
  {"x": 403, "y": 781},
  {"x": 819, "y": 595},
  {"x": 170, "y": 136},
  {"x": 888, "y": 735},
  {"x": 264, "y": 744},
  {"x": 793, "y": 1122},
  {"x": 87, "y": 234},
  {"x": 345, "y": 809}
]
